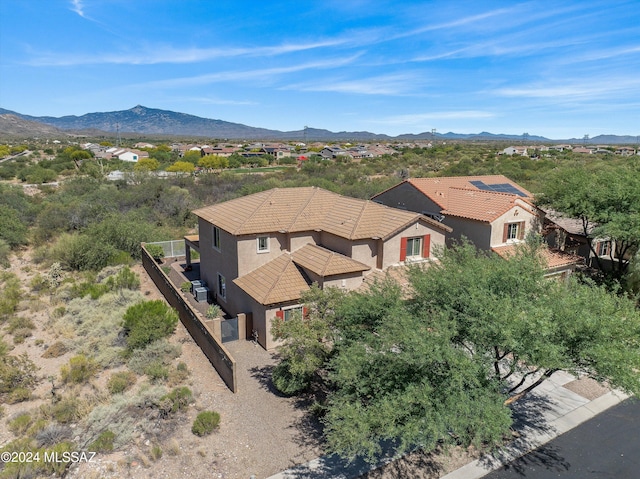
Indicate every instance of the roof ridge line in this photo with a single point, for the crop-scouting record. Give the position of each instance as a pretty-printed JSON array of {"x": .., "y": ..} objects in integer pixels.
[
  {"x": 366, "y": 202},
  {"x": 273, "y": 284},
  {"x": 303, "y": 208},
  {"x": 255, "y": 211}
]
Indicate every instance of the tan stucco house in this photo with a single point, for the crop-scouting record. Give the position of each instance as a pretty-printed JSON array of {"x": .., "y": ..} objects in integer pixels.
[
  {"x": 258, "y": 253},
  {"x": 492, "y": 212}
]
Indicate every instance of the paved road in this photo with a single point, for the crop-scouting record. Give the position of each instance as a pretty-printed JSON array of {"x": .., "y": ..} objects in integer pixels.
[{"x": 607, "y": 446}]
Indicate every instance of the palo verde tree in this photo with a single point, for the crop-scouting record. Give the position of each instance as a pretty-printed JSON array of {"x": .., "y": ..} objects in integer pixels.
[
  {"x": 441, "y": 362},
  {"x": 607, "y": 201}
]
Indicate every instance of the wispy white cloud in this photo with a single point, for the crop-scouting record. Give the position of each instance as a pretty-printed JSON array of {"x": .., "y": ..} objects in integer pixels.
[
  {"x": 580, "y": 89},
  {"x": 420, "y": 118},
  {"x": 264, "y": 74},
  {"x": 158, "y": 54},
  {"x": 397, "y": 84},
  {"x": 77, "y": 6},
  {"x": 216, "y": 101}
]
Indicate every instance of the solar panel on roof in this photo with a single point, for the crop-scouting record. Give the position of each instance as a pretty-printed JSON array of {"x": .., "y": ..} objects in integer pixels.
[{"x": 498, "y": 188}]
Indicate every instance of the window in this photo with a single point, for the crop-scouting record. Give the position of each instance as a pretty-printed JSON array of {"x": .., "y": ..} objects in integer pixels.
[
  {"x": 216, "y": 238},
  {"x": 414, "y": 247},
  {"x": 513, "y": 231},
  {"x": 222, "y": 287},
  {"x": 603, "y": 248},
  {"x": 263, "y": 244},
  {"x": 289, "y": 313}
]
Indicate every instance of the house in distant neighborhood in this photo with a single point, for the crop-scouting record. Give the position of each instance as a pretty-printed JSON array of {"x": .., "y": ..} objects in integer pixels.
[
  {"x": 515, "y": 150},
  {"x": 569, "y": 235},
  {"x": 332, "y": 152},
  {"x": 625, "y": 151},
  {"x": 260, "y": 252},
  {"x": 492, "y": 212}
]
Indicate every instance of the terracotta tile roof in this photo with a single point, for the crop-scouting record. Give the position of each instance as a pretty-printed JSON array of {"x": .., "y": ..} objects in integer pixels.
[
  {"x": 278, "y": 281},
  {"x": 553, "y": 258},
  {"x": 324, "y": 262},
  {"x": 438, "y": 188},
  {"x": 479, "y": 205},
  {"x": 309, "y": 209}
]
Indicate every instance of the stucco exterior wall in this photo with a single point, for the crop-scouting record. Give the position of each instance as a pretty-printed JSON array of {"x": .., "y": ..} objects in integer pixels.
[
  {"x": 335, "y": 243},
  {"x": 344, "y": 281},
  {"x": 532, "y": 223},
  {"x": 298, "y": 240},
  {"x": 391, "y": 248},
  {"x": 478, "y": 232},
  {"x": 248, "y": 256},
  {"x": 365, "y": 251},
  {"x": 406, "y": 197}
]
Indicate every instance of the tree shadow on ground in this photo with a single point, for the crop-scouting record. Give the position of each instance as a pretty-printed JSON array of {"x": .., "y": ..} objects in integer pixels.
[
  {"x": 529, "y": 422},
  {"x": 545, "y": 457}
]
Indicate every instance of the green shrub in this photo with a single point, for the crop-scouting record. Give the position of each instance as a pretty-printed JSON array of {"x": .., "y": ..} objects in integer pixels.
[
  {"x": 185, "y": 287},
  {"x": 67, "y": 410},
  {"x": 104, "y": 442},
  {"x": 21, "y": 334},
  {"x": 120, "y": 382},
  {"x": 79, "y": 370},
  {"x": 156, "y": 452},
  {"x": 20, "y": 424},
  {"x": 16, "y": 372},
  {"x": 178, "y": 399},
  {"x": 160, "y": 351},
  {"x": 214, "y": 311},
  {"x": 10, "y": 294},
  {"x": 148, "y": 321},
  {"x": 205, "y": 423},
  {"x": 19, "y": 394},
  {"x": 157, "y": 371},
  {"x": 56, "y": 350},
  {"x": 156, "y": 252},
  {"x": 19, "y": 322}
]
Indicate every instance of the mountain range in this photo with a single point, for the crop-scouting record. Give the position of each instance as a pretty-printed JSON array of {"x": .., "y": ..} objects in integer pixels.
[{"x": 141, "y": 120}]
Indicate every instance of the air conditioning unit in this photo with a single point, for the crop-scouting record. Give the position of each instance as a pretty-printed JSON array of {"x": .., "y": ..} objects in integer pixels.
[
  {"x": 197, "y": 284},
  {"x": 201, "y": 294}
]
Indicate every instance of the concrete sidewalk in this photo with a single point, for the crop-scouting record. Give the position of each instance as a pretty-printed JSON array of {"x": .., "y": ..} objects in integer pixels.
[{"x": 545, "y": 413}]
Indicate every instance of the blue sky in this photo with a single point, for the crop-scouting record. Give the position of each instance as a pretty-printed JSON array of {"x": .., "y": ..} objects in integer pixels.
[{"x": 559, "y": 69}]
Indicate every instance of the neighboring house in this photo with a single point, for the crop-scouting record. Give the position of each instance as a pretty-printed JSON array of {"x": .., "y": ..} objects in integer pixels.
[
  {"x": 332, "y": 152},
  {"x": 492, "y": 212},
  {"x": 515, "y": 150},
  {"x": 259, "y": 253},
  {"x": 568, "y": 235}
]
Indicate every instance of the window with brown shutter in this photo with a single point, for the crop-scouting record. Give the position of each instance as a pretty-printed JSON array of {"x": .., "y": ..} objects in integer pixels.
[
  {"x": 403, "y": 249},
  {"x": 426, "y": 246}
]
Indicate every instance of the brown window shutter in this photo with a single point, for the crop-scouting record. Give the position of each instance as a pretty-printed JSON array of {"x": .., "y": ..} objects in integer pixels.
[
  {"x": 521, "y": 230},
  {"x": 305, "y": 312},
  {"x": 426, "y": 246},
  {"x": 505, "y": 232},
  {"x": 403, "y": 249},
  {"x": 280, "y": 314}
]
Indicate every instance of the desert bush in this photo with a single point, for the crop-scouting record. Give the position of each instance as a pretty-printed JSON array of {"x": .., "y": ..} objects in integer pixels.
[
  {"x": 214, "y": 311},
  {"x": 121, "y": 382},
  {"x": 104, "y": 442},
  {"x": 53, "y": 434},
  {"x": 155, "y": 251},
  {"x": 148, "y": 321},
  {"x": 5, "y": 251},
  {"x": 95, "y": 325},
  {"x": 69, "y": 409},
  {"x": 10, "y": 294},
  {"x": 205, "y": 423},
  {"x": 185, "y": 287},
  {"x": 178, "y": 374},
  {"x": 19, "y": 322},
  {"x": 56, "y": 350},
  {"x": 177, "y": 400},
  {"x": 19, "y": 394},
  {"x": 59, "y": 312},
  {"x": 39, "y": 283},
  {"x": 20, "y": 423},
  {"x": 160, "y": 351},
  {"x": 16, "y": 372},
  {"x": 79, "y": 370},
  {"x": 155, "y": 452},
  {"x": 157, "y": 371},
  {"x": 21, "y": 334}
]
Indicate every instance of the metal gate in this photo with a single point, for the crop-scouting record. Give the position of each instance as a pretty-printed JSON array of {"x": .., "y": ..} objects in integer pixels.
[{"x": 229, "y": 330}]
